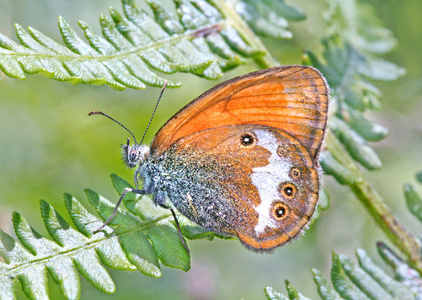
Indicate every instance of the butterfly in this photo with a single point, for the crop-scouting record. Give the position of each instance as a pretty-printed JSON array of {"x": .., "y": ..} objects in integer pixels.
[{"x": 241, "y": 159}]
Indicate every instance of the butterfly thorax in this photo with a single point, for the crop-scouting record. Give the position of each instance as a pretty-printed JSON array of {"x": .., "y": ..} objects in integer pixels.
[{"x": 152, "y": 174}]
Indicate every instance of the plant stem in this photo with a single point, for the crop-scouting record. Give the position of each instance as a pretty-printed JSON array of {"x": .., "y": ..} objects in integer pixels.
[
  {"x": 376, "y": 207},
  {"x": 394, "y": 230}
]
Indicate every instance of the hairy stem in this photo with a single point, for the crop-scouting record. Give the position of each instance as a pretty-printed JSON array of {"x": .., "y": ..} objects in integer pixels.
[
  {"x": 396, "y": 232},
  {"x": 376, "y": 207}
]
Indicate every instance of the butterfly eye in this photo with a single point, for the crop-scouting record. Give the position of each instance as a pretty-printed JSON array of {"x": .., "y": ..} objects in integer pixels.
[
  {"x": 247, "y": 139},
  {"x": 295, "y": 173},
  {"x": 133, "y": 155},
  {"x": 288, "y": 190},
  {"x": 280, "y": 211}
]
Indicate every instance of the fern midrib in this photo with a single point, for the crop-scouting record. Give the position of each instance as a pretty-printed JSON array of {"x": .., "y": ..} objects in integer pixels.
[
  {"x": 171, "y": 40},
  {"x": 16, "y": 269}
]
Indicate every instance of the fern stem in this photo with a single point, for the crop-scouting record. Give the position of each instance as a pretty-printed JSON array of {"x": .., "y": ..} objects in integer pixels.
[
  {"x": 396, "y": 232},
  {"x": 374, "y": 204},
  {"x": 234, "y": 19}
]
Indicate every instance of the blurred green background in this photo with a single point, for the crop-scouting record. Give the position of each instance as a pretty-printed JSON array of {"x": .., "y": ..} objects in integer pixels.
[{"x": 49, "y": 145}]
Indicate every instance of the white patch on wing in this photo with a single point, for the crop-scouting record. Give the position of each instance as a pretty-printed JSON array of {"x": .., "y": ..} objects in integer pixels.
[{"x": 267, "y": 179}]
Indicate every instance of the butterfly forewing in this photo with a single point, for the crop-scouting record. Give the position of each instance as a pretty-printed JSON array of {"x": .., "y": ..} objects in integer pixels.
[{"x": 292, "y": 98}]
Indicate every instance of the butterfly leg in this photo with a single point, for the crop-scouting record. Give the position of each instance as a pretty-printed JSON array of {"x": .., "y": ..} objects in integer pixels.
[
  {"x": 177, "y": 225},
  {"x": 116, "y": 208}
]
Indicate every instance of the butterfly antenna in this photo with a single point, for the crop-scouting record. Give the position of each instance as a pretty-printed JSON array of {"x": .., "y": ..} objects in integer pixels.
[
  {"x": 155, "y": 109},
  {"x": 105, "y": 115}
]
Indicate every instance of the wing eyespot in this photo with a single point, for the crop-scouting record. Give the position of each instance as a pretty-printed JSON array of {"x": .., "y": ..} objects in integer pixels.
[
  {"x": 295, "y": 173},
  {"x": 280, "y": 211},
  {"x": 247, "y": 139},
  {"x": 287, "y": 190},
  {"x": 280, "y": 151}
]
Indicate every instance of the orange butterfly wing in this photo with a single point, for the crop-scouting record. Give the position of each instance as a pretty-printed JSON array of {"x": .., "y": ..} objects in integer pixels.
[
  {"x": 291, "y": 98},
  {"x": 237, "y": 189}
]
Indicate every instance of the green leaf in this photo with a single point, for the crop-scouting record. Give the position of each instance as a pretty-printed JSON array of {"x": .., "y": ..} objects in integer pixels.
[
  {"x": 366, "y": 281},
  {"x": 127, "y": 243},
  {"x": 200, "y": 40},
  {"x": 269, "y": 18},
  {"x": 332, "y": 166},
  {"x": 413, "y": 201},
  {"x": 419, "y": 176},
  {"x": 168, "y": 246},
  {"x": 192, "y": 231},
  {"x": 342, "y": 283},
  {"x": 403, "y": 273},
  {"x": 366, "y": 129},
  {"x": 355, "y": 144},
  {"x": 323, "y": 204},
  {"x": 195, "y": 232},
  {"x": 292, "y": 13},
  {"x": 324, "y": 199},
  {"x": 380, "y": 69},
  {"x": 391, "y": 286},
  {"x": 293, "y": 294},
  {"x": 273, "y": 295},
  {"x": 359, "y": 24},
  {"x": 324, "y": 289},
  {"x": 354, "y": 35},
  {"x": 362, "y": 280},
  {"x": 140, "y": 253}
]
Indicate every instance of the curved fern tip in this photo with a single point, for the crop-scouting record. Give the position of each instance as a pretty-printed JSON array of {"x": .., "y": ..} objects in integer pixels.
[{"x": 315, "y": 271}]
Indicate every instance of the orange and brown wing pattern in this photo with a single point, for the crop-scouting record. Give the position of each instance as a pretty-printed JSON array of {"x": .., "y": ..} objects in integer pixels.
[
  {"x": 252, "y": 181},
  {"x": 291, "y": 98}
]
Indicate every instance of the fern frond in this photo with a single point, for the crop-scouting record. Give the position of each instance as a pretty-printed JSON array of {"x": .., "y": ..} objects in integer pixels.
[
  {"x": 413, "y": 199},
  {"x": 201, "y": 40},
  {"x": 368, "y": 280},
  {"x": 363, "y": 281},
  {"x": 348, "y": 65},
  {"x": 134, "y": 243},
  {"x": 401, "y": 270},
  {"x": 269, "y": 18}
]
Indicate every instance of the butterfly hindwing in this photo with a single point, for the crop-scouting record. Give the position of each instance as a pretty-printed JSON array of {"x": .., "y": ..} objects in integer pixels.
[{"x": 252, "y": 181}]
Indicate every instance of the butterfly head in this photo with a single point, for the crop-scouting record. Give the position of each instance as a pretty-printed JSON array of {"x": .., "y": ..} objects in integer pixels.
[{"x": 134, "y": 155}]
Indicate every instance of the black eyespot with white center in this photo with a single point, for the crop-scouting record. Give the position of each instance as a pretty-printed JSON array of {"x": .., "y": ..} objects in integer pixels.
[
  {"x": 295, "y": 173},
  {"x": 280, "y": 211},
  {"x": 287, "y": 190},
  {"x": 247, "y": 139}
]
